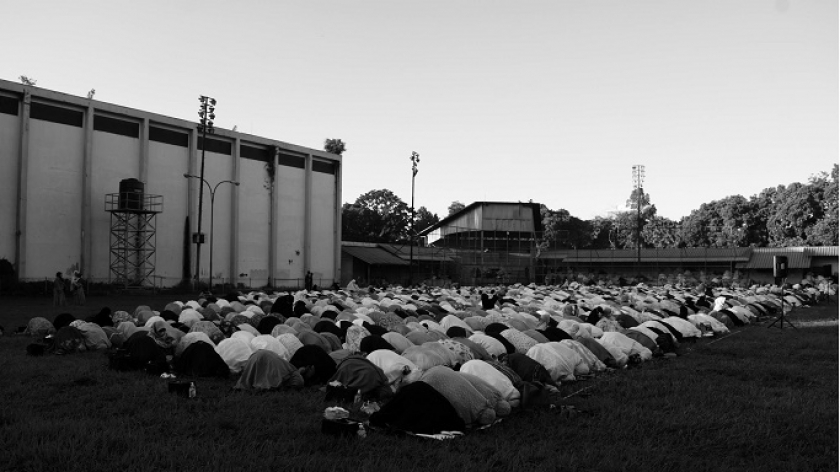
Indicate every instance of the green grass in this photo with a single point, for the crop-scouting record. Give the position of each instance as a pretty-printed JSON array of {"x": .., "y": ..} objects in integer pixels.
[{"x": 759, "y": 399}]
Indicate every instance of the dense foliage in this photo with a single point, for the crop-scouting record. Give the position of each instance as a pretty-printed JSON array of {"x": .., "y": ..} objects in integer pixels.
[
  {"x": 796, "y": 215},
  {"x": 382, "y": 216}
]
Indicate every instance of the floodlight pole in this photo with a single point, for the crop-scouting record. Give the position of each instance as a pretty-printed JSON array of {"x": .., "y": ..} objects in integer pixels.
[
  {"x": 638, "y": 180},
  {"x": 205, "y": 112},
  {"x": 415, "y": 158}
]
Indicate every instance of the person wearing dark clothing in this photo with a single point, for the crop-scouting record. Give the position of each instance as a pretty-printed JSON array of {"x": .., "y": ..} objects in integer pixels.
[
  {"x": 456, "y": 332},
  {"x": 674, "y": 331},
  {"x": 594, "y": 315},
  {"x": 488, "y": 302},
  {"x": 201, "y": 360},
  {"x": 374, "y": 329},
  {"x": 374, "y": 342},
  {"x": 528, "y": 369},
  {"x": 626, "y": 321},
  {"x": 315, "y": 364},
  {"x": 103, "y": 318},
  {"x": 59, "y": 287},
  {"x": 664, "y": 340},
  {"x": 418, "y": 408},
  {"x": 62, "y": 320},
  {"x": 300, "y": 308},
  {"x": 284, "y": 305},
  {"x": 267, "y": 324},
  {"x": 143, "y": 350},
  {"x": 555, "y": 334},
  {"x": 325, "y": 326},
  {"x": 495, "y": 328}
]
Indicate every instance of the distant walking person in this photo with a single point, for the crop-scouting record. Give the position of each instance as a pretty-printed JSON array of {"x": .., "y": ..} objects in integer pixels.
[
  {"x": 308, "y": 282},
  {"x": 78, "y": 289},
  {"x": 59, "y": 299}
]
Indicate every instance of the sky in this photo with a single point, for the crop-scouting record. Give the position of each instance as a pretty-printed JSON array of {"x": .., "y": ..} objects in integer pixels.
[{"x": 546, "y": 101}]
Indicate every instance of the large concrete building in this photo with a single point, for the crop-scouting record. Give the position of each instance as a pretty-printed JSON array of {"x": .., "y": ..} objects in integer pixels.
[{"x": 62, "y": 155}]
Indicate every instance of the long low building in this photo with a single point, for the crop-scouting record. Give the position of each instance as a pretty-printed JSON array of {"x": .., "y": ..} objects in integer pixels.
[{"x": 63, "y": 159}]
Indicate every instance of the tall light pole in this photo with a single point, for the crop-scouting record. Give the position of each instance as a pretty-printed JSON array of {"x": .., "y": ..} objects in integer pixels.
[
  {"x": 638, "y": 181},
  {"x": 415, "y": 158},
  {"x": 212, "y": 213},
  {"x": 206, "y": 111}
]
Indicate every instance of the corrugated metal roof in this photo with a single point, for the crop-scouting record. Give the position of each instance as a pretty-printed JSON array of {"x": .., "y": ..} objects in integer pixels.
[
  {"x": 823, "y": 251},
  {"x": 535, "y": 208},
  {"x": 819, "y": 251},
  {"x": 373, "y": 255},
  {"x": 693, "y": 254},
  {"x": 403, "y": 251},
  {"x": 764, "y": 260},
  {"x": 780, "y": 249}
]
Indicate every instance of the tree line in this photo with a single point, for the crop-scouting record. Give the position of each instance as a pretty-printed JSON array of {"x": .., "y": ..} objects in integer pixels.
[{"x": 800, "y": 214}]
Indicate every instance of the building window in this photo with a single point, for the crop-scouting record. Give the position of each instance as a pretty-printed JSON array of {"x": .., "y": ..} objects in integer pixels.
[
  {"x": 61, "y": 115},
  {"x": 115, "y": 126},
  {"x": 168, "y": 136},
  {"x": 216, "y": 145}
]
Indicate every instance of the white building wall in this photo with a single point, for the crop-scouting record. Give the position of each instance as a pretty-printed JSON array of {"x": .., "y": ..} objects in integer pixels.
[
  {"x": 56, "y": 214},
  {"x": 217, "y": 169},
  {"x": 290, "y": 184},
  {"x": 323, "y": 227},
  {"x": 9, "y": 153},
  {"x": 167, "y": 166},
  {"x": 54, "y": 199},
  {"x": 254, "y": 220},
  {"x": 115, "y": 158}
]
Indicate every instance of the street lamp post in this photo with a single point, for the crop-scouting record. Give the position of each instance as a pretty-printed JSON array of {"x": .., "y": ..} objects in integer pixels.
[
  {"x": 415, "y": 158},
  {"x": 212, "y": 213},
  {"x": 206, "y": 111}
]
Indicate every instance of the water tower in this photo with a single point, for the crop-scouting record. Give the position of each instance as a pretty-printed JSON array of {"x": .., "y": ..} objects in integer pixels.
[{"x": 133, "y": 224}]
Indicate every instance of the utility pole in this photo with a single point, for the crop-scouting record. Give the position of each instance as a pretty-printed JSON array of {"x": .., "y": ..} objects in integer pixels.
[{"x": 638, "y": 181}]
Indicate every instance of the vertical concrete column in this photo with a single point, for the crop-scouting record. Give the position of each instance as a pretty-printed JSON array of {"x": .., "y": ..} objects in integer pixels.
[
  {"x": 234, "y": 213},
  {"x": 273, "y": 206},
  {"x": 337, "y": 229},
  {"x": 307, "y": 216},
  {"x": 87, "y": 196},
  {"x": 192, "y": 197},
  {"x": 22, "y": 187},
  {"x": 144, "y": 151}
]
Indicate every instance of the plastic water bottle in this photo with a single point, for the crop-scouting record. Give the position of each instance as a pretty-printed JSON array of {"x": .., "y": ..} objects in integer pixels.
[
  {"x": 192, "y": 390},
  {"x": 362, "y": 433}
]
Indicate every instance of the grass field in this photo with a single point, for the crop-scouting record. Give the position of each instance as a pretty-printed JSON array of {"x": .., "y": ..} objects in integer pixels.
[{"x": 758, "y": 399}]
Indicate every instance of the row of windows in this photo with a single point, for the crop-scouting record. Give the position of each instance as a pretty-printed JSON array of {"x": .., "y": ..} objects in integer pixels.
[{"x": 106, "y": 124}]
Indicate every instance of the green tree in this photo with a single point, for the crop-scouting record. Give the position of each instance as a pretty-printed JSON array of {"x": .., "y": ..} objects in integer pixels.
[
  {"x": 455, "y": 207},
  {"x": 825, "y": 231},
  {"x": 797, "y": 208},
  {"x": 376, "y": 216},
  {"x": 335, "y": 146},
  {"x": 661, "y": 232},
  {"x": 618, "y": 231},
  {"x": 423, "y": 218},
  {"x": 727, "y": 222},
  {"x": 561, "y": 229}
]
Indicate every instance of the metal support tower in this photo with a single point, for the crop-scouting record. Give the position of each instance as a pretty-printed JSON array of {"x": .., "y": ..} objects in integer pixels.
[{"x": 132, "y": 241}]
